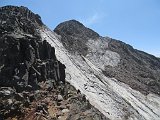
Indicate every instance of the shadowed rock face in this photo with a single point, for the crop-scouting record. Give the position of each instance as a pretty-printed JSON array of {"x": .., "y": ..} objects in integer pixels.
[
  {"x": 25, "y": 61},
  {"x": 31, "y": 77},
  {"x": 116, "y": 59},
  {"x": 25, "y": 58}
]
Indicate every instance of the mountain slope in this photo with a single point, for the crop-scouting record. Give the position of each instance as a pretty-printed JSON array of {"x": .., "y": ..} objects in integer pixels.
[
  {"x": 114, "y": 99},
  {"x": 107, "y": 64},
  {"x": 116, "y": 59}
]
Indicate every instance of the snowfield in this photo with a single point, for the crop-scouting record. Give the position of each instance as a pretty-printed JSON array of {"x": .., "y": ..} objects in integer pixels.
[{"x": 114, "y": 99}]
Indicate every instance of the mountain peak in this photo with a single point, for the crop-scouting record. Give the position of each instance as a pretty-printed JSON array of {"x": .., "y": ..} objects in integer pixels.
[
  {"x": 73, "y": 21},
  {"x": 74, "y": 27},
  {"x": 16, "y": 19},
  {"x": 75, "y": 35}
]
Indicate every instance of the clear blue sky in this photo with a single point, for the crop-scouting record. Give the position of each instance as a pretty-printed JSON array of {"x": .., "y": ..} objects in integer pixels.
[{"x": 136, "y": 22}]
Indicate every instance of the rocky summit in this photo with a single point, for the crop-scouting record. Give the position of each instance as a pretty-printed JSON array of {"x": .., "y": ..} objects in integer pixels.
[{"x": 72, "y": 73}]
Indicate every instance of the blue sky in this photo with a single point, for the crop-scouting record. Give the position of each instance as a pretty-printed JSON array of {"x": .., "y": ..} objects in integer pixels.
[{"x": 136, "y": 22}]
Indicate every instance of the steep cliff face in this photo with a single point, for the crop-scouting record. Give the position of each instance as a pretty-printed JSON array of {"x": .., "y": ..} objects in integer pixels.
[{"x": 32, "y": 79}]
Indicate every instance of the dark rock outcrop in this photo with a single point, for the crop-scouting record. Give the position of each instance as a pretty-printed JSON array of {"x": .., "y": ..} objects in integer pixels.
[
  {"x": 27, "y": 61},
  {"x": 25, "y": 58},
  {"x": 18, "y": 19},
  {"x": 75, "y": 35}
]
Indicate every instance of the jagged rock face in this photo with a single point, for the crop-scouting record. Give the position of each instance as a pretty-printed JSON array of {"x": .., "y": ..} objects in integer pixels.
[
  {"x": 26, "y": 62},
  {"x": 116, "y": 59},
  {"x": 25, "y": 58},
  {"x": 75, "y": 35}
]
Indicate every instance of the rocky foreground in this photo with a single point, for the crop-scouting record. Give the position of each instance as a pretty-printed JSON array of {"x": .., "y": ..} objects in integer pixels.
[{"x": 60, "y": 103}]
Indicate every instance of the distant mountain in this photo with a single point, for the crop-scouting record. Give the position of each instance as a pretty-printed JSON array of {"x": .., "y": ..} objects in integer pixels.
[
  {"x": 72, "y": 73},
  {"x": 116, "y": 59},
  {"x": 116, "y": 78}
]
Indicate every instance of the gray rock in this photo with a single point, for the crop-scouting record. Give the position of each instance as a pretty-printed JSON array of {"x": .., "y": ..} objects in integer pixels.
[
  {"x": 65, "y": 111},
  {"x": 59, "y": 98}
]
